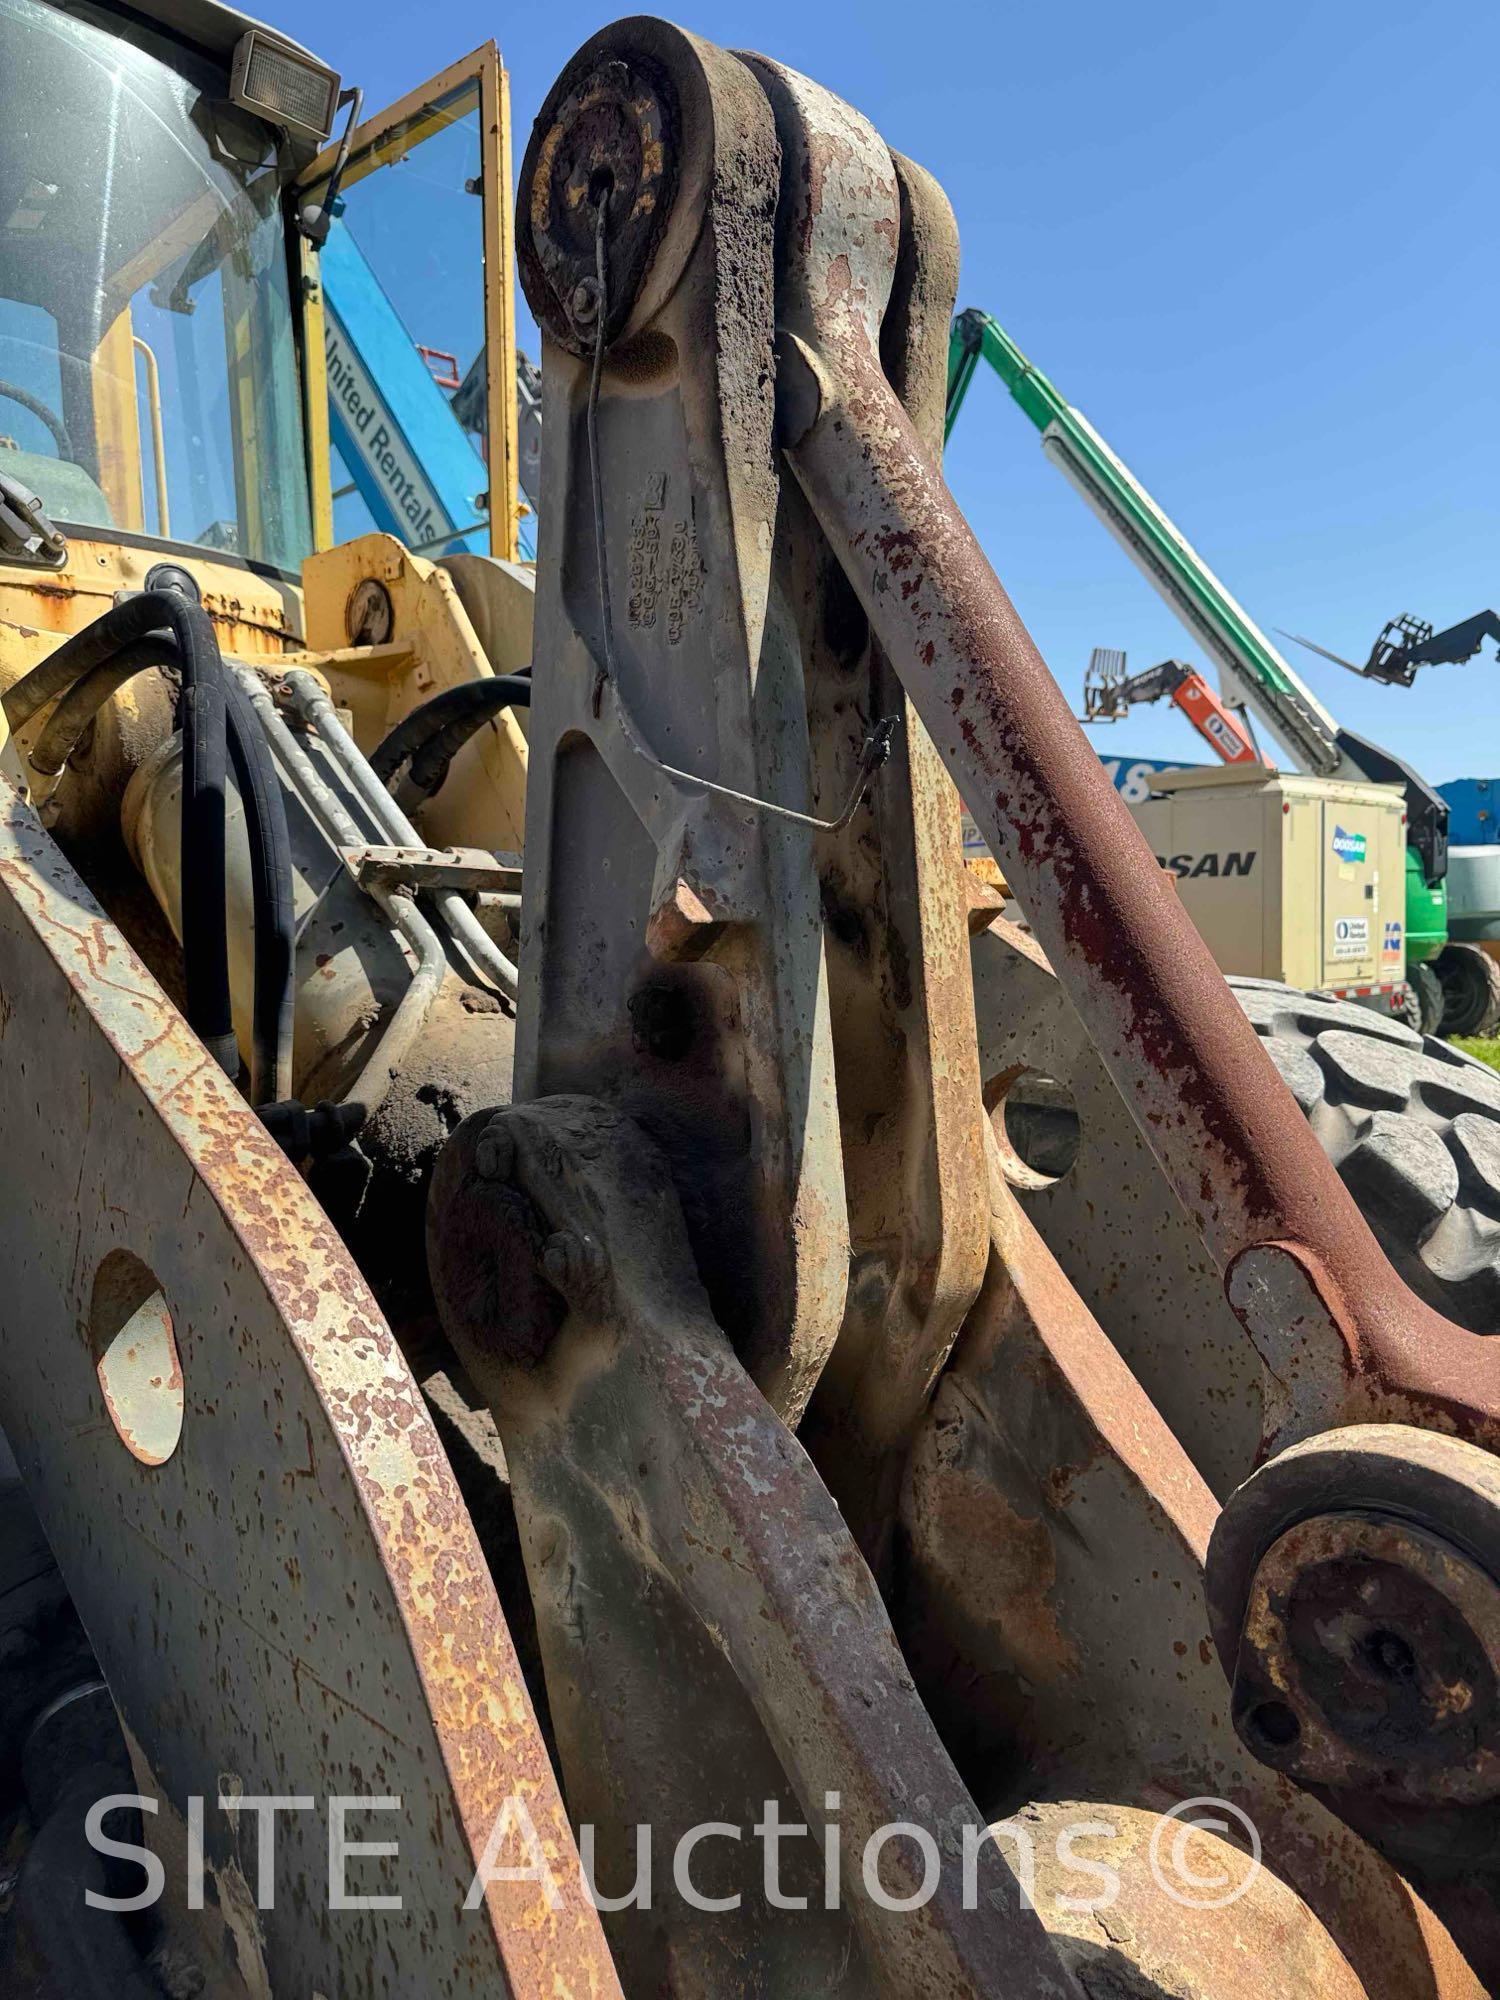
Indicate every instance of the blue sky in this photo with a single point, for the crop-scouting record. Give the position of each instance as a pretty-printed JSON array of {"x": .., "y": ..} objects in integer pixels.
[{"x": 1256, "y": 246}]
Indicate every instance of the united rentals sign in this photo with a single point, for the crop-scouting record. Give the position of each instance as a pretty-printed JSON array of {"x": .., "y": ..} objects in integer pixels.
[
  {"x": 370, "y": 433},
  {"x": 406, "y": 452}
]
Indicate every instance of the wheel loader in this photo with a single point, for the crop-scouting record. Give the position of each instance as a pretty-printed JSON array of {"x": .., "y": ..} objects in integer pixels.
[{"x": 614, "y": 1387}]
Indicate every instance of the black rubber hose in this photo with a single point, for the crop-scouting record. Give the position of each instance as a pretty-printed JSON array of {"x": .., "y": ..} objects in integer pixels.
[
  {"x": 83, "y": 700},
  {"x": 266, "y": 833},
  {"x": 205, "y": 950},
  {"x": 274, "y": 1002},
  {"x": 432, "y": 735},
  {"x": 122, "y": 625}
]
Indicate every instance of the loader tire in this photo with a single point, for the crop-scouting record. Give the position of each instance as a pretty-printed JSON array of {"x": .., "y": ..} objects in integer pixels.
[
  {"x": 1470, "y": 980},
  {"x": 1413, "y": 1126}
]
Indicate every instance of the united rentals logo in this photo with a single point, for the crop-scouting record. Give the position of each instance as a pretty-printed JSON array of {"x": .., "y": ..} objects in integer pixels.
[
  {"x": 1348, "y": 846},
  {"x": 373, "y": 435}
]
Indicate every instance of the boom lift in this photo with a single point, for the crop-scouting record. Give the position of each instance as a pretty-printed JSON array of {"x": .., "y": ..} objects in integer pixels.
[
  {"x": 604, "y": 1396},
  {"x": 1251, "y": 667}
]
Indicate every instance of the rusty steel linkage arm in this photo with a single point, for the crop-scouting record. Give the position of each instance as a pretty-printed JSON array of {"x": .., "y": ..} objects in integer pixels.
[
  {"x": 1243, "y": 1161},
  {"x": 1350, "y": 1636}
]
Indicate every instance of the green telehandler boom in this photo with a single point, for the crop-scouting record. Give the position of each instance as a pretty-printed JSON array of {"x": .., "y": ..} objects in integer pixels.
[{"x": 1254, "y": 672}]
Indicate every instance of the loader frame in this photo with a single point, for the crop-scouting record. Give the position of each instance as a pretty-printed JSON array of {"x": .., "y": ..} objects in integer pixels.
[{"x": 830, "y": 1500}]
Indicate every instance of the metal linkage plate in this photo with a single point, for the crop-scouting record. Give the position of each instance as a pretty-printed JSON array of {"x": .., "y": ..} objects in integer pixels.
[
  {"x": 893, "y": 889},
  {"x": 247, "y": 1499},
  {"x": 672, "y": 949}
]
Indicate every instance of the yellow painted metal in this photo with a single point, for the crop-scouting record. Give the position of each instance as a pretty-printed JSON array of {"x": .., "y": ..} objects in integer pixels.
[
  {"x": 247, "y": 419},
  {"x": 379, "y": 665},
  {"x": 158, "y": 438},
  {"x": 432, "y": 646},
  {"x": 117, "y": 425},
  {"x": 390, "y": 135},
  {"x": 386, "y": 135},
  {"x": 315, "y": 397},
  {"x": 115, "y": 387},
  {"x": 255, "y": 616},
  {"x": 499, "y": 306}
]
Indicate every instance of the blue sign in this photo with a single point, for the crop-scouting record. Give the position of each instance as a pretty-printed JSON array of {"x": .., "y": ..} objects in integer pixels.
[{"x": 406, "y": 452}]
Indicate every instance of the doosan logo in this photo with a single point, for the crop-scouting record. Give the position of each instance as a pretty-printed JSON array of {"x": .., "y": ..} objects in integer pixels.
[
  {"x": 1348, "y": 846},
  {"x": 1233, "y": 862}
]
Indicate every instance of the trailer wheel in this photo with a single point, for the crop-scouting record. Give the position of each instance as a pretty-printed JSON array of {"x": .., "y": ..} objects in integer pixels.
[
  {"x": 1471, "y": 989},
  {"x": 1421, "y": 1003},
  {"x": 1413, "y": 1126}
]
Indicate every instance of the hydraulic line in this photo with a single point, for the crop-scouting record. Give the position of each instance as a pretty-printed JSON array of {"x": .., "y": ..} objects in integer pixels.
[
  {"x": 204, "y": 756},
  {"x": 321, "y": 800},
  {"x": 84, "y": 699},
  {"x": 372, "y": 1085},
  {"x": 266, "y": 833},
  {"x": 265, "y": 818},
  {"x": 122, "y": 625},
  {"x": 273, "y": 1005},
  {"x": 313, "y": 705},
  {"x": 432, "y": 735}
]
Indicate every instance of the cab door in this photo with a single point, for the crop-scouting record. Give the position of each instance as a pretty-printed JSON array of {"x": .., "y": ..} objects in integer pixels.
[{"x": 410, "y": 323}]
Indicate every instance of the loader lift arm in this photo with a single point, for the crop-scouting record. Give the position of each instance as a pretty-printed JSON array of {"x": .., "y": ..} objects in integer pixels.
[{"x": 807, "y": 1478}]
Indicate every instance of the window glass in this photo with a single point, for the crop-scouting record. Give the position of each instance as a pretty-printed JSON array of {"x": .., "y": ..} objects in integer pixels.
[
  {"x": 403, "y": 295},
  {"x": 148, "y": 370}
]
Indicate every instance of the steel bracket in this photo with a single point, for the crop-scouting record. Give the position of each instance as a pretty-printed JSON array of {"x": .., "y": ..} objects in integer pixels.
[{"x": 418, "y": 868}]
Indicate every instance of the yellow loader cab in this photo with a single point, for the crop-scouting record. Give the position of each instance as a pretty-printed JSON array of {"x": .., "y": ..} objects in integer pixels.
[
  {"x": 149, "y": 372},
  {"x": 165, "y": 179}
]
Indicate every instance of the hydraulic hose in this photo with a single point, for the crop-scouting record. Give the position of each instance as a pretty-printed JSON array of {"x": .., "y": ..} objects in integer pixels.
[
  {"x": 86, "y": 679},
  {"x": 432, "y": 735},
  {"x": 122, "y": 625},
  {"x": 83, "y": 700},
  {"x": 205, "y": 950},
  {"x": 313, "y": 705},
  {"x": 273, "y": 1005}
]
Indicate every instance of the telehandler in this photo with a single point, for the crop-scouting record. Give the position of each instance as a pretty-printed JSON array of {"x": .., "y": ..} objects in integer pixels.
[
  {"x": 552, "y": 1457},
  {"x": 1451, "y": 985}
]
